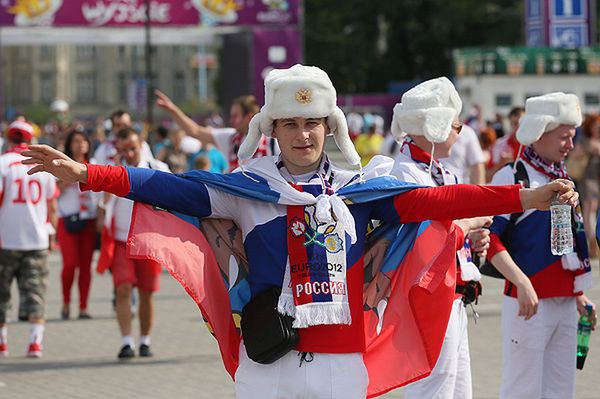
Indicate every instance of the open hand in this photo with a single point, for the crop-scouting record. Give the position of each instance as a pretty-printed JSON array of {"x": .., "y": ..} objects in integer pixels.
[
  {"x": 48, "y": 159},
  {"x": 163, "y": 101}
]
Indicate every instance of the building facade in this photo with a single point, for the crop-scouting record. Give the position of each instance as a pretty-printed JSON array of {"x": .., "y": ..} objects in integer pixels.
[
  {"x": 95, "y": 79},
  {"x": 498, "y": 79}
]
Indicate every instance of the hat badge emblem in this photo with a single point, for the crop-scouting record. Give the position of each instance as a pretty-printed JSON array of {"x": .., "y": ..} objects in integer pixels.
[{"x": 304, "y": 96}]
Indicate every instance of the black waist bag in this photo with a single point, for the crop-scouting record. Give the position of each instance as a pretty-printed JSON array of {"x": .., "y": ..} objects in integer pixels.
[
  {"x": 268, "y": 335},
  {"x": 74, "y": 224}
]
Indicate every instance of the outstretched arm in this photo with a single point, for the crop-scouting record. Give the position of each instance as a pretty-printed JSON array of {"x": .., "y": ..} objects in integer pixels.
[
  {"x": 465, "y": 201},
  {"x": 202, "y": 133},
  {"x": 153, "y": 187}
]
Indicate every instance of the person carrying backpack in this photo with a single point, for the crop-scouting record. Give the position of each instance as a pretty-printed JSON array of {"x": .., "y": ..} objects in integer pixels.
[{"x": 543, "y": 292}]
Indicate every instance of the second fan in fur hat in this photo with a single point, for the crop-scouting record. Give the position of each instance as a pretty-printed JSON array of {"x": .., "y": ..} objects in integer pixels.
[{"x": 427, "y": 109}]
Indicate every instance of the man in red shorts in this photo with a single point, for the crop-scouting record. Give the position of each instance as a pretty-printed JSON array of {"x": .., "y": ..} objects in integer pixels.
[{"x": 128, "y": 272}]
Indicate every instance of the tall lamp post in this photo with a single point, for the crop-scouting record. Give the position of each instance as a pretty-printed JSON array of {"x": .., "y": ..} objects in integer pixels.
[{"x": 148, "y": 71}]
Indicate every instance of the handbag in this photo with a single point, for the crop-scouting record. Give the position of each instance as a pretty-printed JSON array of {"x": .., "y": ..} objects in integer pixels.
[
  {"x": 268, "y": 335},
  {"x": 74, "y": 224}
]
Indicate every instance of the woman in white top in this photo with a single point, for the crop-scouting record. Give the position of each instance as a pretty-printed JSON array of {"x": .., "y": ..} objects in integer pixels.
[{"x": 76, "y": 229}]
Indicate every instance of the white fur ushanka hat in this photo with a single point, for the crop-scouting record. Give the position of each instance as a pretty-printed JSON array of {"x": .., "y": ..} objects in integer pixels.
[
  {"x": 427, "y": 109},
  {"x": 299, "y": 91},
  {"x": 547, "y": 112}
]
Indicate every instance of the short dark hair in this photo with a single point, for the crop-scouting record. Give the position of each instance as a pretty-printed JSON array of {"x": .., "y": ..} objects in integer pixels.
[
  {"x": 162, "y": 132},
  {"x": 516, "y": 111},
  {"x": 247, "y": 103},
  {"x": 126, "y": 132},
  {"x": 117, "y": 114},
  {"x": 17, "y": 138}
]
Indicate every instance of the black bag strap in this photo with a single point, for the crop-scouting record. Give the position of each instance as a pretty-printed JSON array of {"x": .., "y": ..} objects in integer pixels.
[{"x": 521, "y": 177}]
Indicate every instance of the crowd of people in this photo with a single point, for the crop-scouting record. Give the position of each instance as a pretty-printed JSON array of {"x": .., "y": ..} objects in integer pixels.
[{"x": 315, "y": 236}]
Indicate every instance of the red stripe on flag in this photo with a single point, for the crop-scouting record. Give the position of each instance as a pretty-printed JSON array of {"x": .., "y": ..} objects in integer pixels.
[
  {"x": 416, "y": 315},
  {"x": 299, "y": 271},
  {"x": 186, "y": 254}
]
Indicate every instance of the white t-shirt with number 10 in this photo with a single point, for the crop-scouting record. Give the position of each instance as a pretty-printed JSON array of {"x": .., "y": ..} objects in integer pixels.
[{"x": 24, "y": 205}]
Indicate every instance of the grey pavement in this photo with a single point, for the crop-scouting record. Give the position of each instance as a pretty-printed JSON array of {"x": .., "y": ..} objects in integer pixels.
[{"x": 80, "y": 356}]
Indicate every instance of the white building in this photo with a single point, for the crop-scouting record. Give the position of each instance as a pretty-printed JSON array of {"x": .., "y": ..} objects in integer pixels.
[{"x": 502, "y": 78}]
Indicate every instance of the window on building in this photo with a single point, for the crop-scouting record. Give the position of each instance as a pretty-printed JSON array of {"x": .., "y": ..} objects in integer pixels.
[
  {"x": 47, "y": 87},
  {"x": 23, "y": 95},
  {"x": 46, "y": 53},
  {"x": 23, "y": 52},
  {"x": 121, "y": 53},
  {"x": 177, "y": 51},
  {"x": 179, "y": 86},
  {"x": 138, "y": 51},
  {"x": 85, "y": 53},
  {"x": 592, "y": 99},
  {"x": 504, "y": 100},
  {"x": 86, "y": 87},
  {"x": 122, "y": 83}
]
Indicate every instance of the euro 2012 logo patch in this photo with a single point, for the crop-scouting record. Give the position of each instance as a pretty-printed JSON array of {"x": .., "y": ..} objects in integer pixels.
[{"x": 331, "y": 242}]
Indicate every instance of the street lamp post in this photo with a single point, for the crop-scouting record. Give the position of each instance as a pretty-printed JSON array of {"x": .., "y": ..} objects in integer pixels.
[{"x": 148, "y": 62}]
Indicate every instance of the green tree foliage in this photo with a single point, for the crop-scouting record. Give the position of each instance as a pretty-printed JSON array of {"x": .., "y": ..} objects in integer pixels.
[{"x": 364, "y": 44}]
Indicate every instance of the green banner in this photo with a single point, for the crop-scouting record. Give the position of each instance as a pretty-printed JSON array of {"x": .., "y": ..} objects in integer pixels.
[{"x": 526, "y": 61}]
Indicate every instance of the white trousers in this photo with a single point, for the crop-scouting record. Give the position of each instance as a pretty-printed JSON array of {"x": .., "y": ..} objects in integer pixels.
[
  {"x": 540, "y": 353},
  {"x": 451, "y": 376},
  {"x": 326, "y": 376}
]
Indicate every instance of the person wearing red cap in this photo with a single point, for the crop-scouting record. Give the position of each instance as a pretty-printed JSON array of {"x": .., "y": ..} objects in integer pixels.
[{"x": 28, "y": 214}]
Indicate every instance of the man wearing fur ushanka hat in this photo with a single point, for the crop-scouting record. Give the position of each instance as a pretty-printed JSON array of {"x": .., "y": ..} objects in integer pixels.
[
  {"x": 543, "y": 292},
  {"x": 426, "y": 121},
  {"x": 304, "y": 223}
]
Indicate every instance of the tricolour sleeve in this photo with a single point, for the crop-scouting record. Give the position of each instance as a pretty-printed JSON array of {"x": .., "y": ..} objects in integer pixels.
[{"x": 154, "y": 187}]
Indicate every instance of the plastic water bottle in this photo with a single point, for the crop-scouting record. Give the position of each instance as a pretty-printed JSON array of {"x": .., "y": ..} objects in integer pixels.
[
  {"x": 561, "y": 235},
  {"x": 584, "y": 329}
]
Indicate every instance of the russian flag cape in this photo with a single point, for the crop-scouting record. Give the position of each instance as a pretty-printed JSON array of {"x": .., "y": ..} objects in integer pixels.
[{"x": 409, "y": 276}]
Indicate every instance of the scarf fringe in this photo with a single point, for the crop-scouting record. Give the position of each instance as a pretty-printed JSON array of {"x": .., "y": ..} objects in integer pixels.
[
  {"x": 583, "y": 282},
  {"x": 317, "y": 313}
]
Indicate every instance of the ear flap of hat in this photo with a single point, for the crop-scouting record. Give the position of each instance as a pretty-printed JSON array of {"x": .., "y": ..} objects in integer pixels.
[
  {"x": 252, "y": 140},
  {"x": 339, "y": 128},
  {"x": 532, "y": 127},
  {"x": 396, "y": 129},
  {"x": 438, "y": 124}
]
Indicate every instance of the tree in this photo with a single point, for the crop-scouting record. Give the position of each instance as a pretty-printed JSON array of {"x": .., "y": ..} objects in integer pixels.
[{"x": 364, "y": 45}]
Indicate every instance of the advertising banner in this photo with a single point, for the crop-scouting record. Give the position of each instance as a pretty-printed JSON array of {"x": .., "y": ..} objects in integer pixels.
[
  {"x": 526, "y": 61},
  {"x": 118, "y": 13},
  {"x": 560, "y": 23},
  {"x": 273, "y": 49}
]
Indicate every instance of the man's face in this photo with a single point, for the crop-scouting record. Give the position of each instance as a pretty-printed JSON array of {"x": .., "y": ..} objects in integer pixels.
[
  {"x": 514, "y": 121},
  {"x": 238, "y": 120},
  {"x": 121, "y": 122},
  {"x": 555, "y": 145},
  {"x": 301, "y": 142},
  {"x": 130, "y": 150}
]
